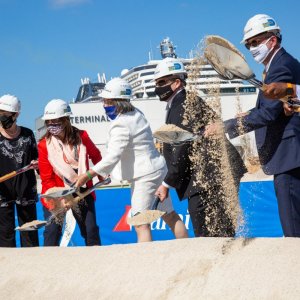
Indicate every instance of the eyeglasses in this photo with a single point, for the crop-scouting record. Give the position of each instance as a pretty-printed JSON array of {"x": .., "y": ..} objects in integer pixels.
[
  {"x": 163, "y": 82},
  {"x": 257, "y": 41}
]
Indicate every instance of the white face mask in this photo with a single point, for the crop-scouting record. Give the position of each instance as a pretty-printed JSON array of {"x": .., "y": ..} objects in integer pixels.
[{"x": 261, "y": 51}]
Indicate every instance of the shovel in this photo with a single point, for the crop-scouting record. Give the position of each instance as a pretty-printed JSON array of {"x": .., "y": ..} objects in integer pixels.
[
  {"x": 65, "y": 192},
  {"x": 15, "y": 173},
  {"x": 174, "y": 135},
  {"x": 230, "y": 65},
  {"x": 146, "y": 216},
  {"x": 37, "y": 224}
]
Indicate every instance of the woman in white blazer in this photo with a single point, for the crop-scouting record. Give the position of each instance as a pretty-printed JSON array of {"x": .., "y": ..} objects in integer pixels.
[{"x": 132, "y": 156}]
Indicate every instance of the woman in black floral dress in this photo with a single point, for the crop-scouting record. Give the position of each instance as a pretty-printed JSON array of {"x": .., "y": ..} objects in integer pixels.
[{"x": 17, "y": 149}]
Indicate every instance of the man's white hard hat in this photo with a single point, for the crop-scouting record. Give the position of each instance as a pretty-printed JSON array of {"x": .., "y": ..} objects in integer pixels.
[
  {"x": 10, "y": 103},
  {"x": 259, "y": 24},
  {"x": 117, "y": 88},
  {"x": 56, "y": 109},
  {"x": 170, "y": 66}
]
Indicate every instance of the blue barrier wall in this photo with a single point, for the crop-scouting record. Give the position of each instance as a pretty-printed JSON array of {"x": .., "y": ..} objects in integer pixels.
[{"x": 257, "y": 200}]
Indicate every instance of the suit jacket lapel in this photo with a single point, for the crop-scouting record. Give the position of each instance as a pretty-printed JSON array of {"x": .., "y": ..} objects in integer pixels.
[{"x": 178, "y": 100}]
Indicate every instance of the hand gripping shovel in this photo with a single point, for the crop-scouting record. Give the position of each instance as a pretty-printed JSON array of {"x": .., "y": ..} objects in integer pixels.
[
  {"x": 174, "y": 135},
  {"x": 147, "y": 216},
  {"x": 36, "y": 224},
  {"x": 15, "y": 173},
  {"x": 65, "y": 192},
  {"x": 229, "y": 63}
]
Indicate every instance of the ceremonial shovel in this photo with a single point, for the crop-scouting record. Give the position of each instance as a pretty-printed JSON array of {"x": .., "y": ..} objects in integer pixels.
[
  {"x": 15, "y": 173},
  {"x": 65, "y": 192},
  {"x": 36, "y": 224},
  {"x": 146, "y": 216},
  {"x": 229, "y": 63}
]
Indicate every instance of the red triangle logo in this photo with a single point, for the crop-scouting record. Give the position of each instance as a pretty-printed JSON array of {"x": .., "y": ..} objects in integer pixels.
[{"x": 122, "y": 225}]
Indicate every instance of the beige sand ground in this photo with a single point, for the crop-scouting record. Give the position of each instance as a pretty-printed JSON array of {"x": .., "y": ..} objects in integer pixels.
[{"x": 203, "y": 268}]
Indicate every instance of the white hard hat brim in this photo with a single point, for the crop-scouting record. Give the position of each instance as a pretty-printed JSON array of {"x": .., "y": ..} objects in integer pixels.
[
  {"x": 6, "y": 108},
  {"x": 53, "y": 117}
]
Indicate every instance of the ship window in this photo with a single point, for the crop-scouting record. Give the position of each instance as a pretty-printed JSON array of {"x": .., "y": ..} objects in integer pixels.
[
  {"x": 146, "y": 73},
  {"x": 96, "y": 87},
  {"x": 137, "y": 83},
  {"x": 139, "y": 69},
  {"x": 151, "y": 94},
  {"x": 233, "y": 90},
  {"x": 150, "y": 87},
  {"x": 82, "y": 93},
  {"x": 138, "y": 95}
]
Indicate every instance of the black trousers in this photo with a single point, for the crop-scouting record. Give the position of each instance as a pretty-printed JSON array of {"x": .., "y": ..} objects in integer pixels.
[
  {"x": 287, "y": 188},
  {"x": 85, "y": 216},
  {"x": 7, "y": 225},
  {"x": 208, "y": 215}
]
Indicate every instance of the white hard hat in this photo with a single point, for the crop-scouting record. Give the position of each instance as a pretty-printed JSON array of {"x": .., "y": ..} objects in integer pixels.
[
  {"x": 117, "y": 88},
  {"x": 55, "y": 109},
  {"x": 10, "y": 103},
  {"x": 259, "y": 24},
  {"x": 169, "y": 66}
]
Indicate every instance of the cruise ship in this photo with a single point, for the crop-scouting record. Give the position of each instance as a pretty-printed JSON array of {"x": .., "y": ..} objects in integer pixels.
[{"x": 88, "y": 113}]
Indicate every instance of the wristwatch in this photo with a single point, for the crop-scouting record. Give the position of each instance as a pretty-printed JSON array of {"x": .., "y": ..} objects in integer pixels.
[{"x": 289, "y": 90}]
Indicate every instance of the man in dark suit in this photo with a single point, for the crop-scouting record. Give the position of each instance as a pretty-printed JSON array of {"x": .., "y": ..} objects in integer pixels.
[
  {"x": 206, "y": 197},
  {"x": 277, "y": 134}
]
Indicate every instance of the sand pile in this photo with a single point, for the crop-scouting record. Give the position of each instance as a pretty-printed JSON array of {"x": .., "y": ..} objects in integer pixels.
[{"x": 203, "y": 268}]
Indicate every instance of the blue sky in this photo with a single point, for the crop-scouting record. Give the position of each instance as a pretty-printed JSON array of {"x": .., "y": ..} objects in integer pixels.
[{"x": 47, "y": 46}]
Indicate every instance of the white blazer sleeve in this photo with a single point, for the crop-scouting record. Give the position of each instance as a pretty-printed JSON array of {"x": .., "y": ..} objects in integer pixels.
[{"x": 118, "y": 141}]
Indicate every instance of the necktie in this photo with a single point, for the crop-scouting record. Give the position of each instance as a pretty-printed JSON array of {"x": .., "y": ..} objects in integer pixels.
[
  {"x": 264, "y": 76},
  {"x": 167, "y": 112}
]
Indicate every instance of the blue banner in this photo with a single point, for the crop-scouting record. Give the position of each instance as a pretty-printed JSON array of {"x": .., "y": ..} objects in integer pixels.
[{"x": 257, "y": 200}]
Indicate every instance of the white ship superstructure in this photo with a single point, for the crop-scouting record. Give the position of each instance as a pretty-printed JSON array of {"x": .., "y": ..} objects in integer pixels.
[
  {"x": 235, "y": 94},
  {"x": 88, "y": 113}
]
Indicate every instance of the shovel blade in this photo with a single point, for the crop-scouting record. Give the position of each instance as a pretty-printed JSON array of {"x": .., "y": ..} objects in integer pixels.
[
  {"x": 31, "y": 226},
  {"x": 59, "y": 194},
  {"x": 228, "y": 63},
  {"x": 145, "y": 217},
  {"x": 174, "y": 137}
]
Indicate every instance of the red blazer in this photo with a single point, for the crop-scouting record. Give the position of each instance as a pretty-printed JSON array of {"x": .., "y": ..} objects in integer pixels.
[{"x": 49, "y": 178}]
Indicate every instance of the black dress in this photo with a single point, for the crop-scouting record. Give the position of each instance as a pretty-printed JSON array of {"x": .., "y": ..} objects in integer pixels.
[{"x": 19, "y": 191}]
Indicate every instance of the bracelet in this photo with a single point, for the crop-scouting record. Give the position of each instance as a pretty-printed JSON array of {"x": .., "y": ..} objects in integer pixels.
[
  {"x": 89, "y": 175},
  {"x": 289, "y": 90}
]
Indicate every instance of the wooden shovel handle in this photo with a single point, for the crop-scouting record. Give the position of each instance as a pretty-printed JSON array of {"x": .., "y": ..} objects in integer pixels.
[
  {"x": 8, "y": 176},
  {"x": 15, "y": 173},
  {"x": 79, "y": 197}
]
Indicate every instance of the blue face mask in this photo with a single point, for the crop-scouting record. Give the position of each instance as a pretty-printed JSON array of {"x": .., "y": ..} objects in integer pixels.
[{"x": 110, "y": 111}]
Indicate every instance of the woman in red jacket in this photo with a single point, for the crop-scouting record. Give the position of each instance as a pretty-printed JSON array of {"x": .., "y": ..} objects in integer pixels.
[{"x": 64, "y": 153}]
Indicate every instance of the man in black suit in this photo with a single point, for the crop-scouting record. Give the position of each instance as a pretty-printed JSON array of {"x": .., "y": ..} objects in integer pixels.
[
  {"x": 207, "y": 209},
  {"x": 277, "y": 132}
]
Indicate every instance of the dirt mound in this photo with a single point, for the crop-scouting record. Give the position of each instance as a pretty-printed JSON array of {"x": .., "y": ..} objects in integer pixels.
[{"x": 203, "y": 268}]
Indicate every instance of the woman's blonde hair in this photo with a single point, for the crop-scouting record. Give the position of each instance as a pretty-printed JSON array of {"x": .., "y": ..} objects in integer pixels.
[{"x": 122, "y": 106}]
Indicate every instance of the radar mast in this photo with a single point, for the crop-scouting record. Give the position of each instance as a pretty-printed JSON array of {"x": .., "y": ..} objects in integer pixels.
[{"x": 167, "y": 49}]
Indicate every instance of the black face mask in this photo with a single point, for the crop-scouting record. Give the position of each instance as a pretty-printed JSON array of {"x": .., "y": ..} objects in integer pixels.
[
  {"x": 7, "y": 122},
  {"x": 164, "y": 92}
]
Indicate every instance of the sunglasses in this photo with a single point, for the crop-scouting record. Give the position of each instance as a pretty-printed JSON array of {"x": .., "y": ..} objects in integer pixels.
[
  {"x": 163, "y": 82},
  {"x": 257, "y": 41}
]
